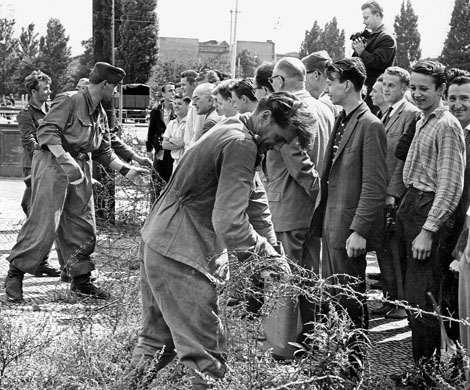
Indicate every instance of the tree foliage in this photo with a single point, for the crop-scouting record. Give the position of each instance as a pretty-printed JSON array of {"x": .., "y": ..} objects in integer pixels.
[
  {"x": 137, "y": 51},
  {"x": 310, "y": 44},
  {"x": 248, "y": 64},
  {"x": 456, "y": 52},
  {"x": 408, "y": 36},
  {"x": 55, "y": 55},
  {"x": 330, "y": 38},
  {"x": 8, "y": 55}
]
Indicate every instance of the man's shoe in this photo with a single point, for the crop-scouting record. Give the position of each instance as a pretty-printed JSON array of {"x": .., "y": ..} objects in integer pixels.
[
  {"x": 382, "y": 310},
  {"x": 64, "y": 277},
  {"x": 47, "y": 269},
  {"x": 397, "y": 313},
  {"x": 81, "y": 285},
  {"x": 14, "y": 286}
]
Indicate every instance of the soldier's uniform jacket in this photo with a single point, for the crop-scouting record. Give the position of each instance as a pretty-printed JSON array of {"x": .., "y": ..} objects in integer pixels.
[
  {"x": 29, "y": 119},
  {"x": 79, "y": 127}
]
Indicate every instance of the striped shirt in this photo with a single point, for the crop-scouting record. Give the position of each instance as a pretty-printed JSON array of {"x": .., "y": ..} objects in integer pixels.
[{"x": 436, "y": 163}]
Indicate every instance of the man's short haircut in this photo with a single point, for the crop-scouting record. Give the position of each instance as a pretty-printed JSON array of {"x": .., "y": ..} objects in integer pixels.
[
  {"x": 190, "y": 75},
  {"x": 351, "y": 69},
  {"x": 187, "y": 100},
  {"x": 401, "y": 73},
  {"x": 288, "y": 111},
  {"x": 318, "y": 61},
  {"x": 167, "y": 84},
  {"x": 431, "y": 68},
  {"x": 292, "y": 67},
  {"x": 210, "y": 76},
  {"x": 458, "y": 77},
  {"x": 374, "y": 7},
  {"x": 262, "y": 75},
  {"x": 244, "y": 87},
  {"x": 32, "y": 80},
  {"x": 223, "y": 89}
]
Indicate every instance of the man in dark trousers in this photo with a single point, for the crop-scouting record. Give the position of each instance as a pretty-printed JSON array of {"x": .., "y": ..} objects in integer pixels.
[
  {"x": 160, "y": 115},
  {"x": 377, "y": 51},
  {"x": 353, "y": 187}
]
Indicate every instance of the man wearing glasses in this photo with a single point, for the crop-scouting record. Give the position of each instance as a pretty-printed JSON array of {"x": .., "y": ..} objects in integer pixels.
[{"x": 291, "y": 177}]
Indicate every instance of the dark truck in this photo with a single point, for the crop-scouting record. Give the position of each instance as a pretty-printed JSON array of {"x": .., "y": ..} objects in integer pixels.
[{"x": 135, "y": 101}]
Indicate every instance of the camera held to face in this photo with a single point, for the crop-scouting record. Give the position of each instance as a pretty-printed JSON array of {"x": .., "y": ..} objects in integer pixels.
[{"x": 363, "y": 35}]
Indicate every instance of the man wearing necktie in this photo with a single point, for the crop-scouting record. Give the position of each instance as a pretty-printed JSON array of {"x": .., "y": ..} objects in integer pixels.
[
  {"x": 396, "y": 119},
  {"x": 353, "y": 188}
]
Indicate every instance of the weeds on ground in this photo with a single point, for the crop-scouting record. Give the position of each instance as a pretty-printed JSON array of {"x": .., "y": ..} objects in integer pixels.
[{"x": 89, "y": 345}]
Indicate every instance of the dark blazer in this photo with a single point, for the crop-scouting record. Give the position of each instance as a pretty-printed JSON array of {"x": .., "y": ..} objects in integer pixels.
[
  {"x": 397, "y": 124},
  {"x": 379, "y": 54},
  {"x": 353, "y": 185},
  {"x": 156, "y": 128}
]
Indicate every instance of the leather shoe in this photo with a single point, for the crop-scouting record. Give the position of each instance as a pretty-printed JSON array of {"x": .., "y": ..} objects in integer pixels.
[
  {"x": 81, "y": 285},
  {"x": 383, "y": 310},
  {"x": 397, "y": 313},
  {"x": 14, "y": 286},
  {"x": 47, "y": 269}
]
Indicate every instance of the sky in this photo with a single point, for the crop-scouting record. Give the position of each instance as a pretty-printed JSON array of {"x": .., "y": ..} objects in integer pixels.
[{"x": 283, "y": 22}]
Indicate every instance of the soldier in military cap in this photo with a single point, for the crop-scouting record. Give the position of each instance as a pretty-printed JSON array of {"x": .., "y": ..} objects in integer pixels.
[{"x": 73, "y": 131}]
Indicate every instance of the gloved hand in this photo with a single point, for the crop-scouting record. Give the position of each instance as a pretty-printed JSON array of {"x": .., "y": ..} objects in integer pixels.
[
  {"x": 135, "y": 176},
  {"x": 277, "y": 269},
  {"x": 71, "y": 168}
]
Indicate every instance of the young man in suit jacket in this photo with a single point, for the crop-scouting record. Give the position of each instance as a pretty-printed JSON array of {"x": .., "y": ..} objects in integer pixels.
[
  {"x": 399, "y": 116},
  {"x": 353, "y": 188}
]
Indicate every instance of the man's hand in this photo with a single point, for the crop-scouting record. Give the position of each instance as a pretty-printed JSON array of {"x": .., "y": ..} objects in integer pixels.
[
  {"x": 421, "y": 246},
  {"x": 356, "y": 245},
  {"x": 135, "y": 175},
  {"x": 277, "y": 270},
  {"x": 71, "y": 168},
  {"x": 358, "y": 46},
  {"x": 142, "y": 161},
  {"x": 390, "y": 200},
  {"x": 159, "y": 155}
]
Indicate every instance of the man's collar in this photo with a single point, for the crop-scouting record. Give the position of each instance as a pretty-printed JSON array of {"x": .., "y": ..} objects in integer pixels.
[
  {"x": 378, "y": 29},
  {"x": 397, "y": 104}
]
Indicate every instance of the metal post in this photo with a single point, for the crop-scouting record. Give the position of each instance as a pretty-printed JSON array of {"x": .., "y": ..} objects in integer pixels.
[{"x": 233, "y": 66}]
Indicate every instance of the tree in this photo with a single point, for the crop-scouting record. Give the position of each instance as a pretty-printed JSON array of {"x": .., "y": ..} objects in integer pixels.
[
  {"x": 248, "y": 64},
  {"x": 310, "y": 43},
  {"x": 408, "y": 36},
  {"x": 102, "y": 17},
  {"x": 28, "y": 56},
  {"x": 137, "y": 51},
  {"x": 456, "y": 51},
  {"x": 332, "y": 40},
  {"x": 55, "y": 55},
  {"x": 8, "y": 56},
  {"x": 86, "y": 61}
]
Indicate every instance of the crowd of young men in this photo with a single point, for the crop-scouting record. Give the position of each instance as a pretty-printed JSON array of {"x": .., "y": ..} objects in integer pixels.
[{"x": 296, "y": 163}]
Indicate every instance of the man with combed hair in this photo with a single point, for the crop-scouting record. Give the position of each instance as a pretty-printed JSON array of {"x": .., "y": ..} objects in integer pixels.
[
  {"x": 72, "y": 132},
  {"x": 37, "y": 85},
  {"x": 433, "y": 175},
  {"x": 353, "y": 188},
  {"x": 205, "y": 104},
  {"x": 315, "y": 83},
  {"x": 194, "y": 121},
  {"x": 223, "y": 97},
  {"x": 213, "y": 202},
  {"x": 378, "y": 50},
  {"x": 291, "y": 177},
  {"x": 243, "y": 95},
  {"x": 458, "y": 98},
  {"x": 390, "y": 255}
]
